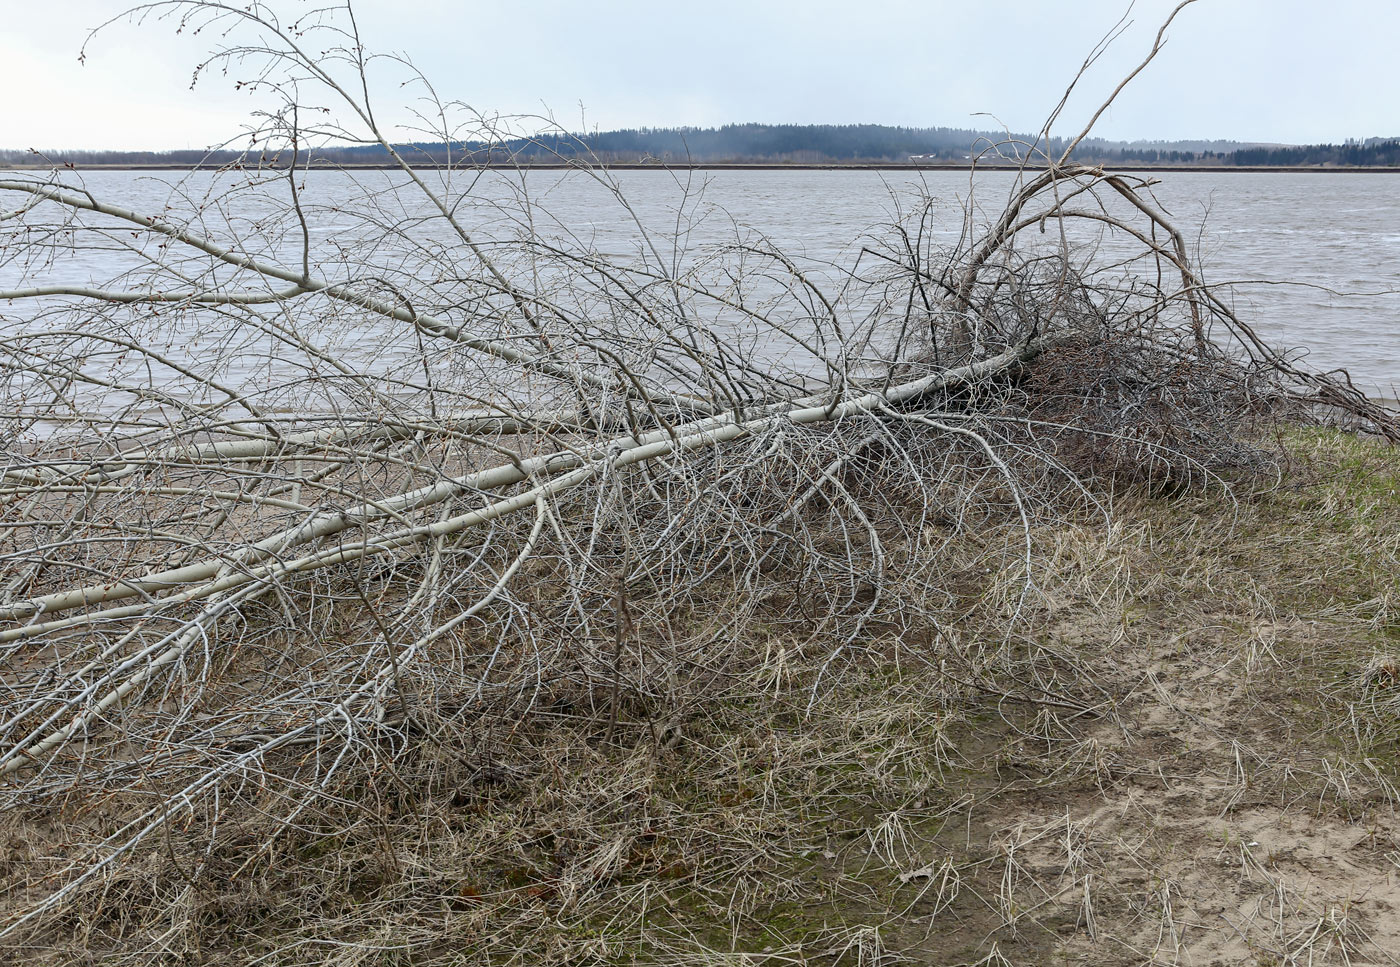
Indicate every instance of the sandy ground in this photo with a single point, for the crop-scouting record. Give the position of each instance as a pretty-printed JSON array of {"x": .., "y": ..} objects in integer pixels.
[{"x": 1218, "y": 829}]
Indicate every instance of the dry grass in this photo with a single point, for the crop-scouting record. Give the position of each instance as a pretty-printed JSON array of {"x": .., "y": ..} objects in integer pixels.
[
  {"x": 1189, "y": 757},
  {"x": 679, "y": 604}
]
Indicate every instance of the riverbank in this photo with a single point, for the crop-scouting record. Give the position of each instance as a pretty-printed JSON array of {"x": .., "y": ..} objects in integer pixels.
[{"x": 1182, "y": 750}]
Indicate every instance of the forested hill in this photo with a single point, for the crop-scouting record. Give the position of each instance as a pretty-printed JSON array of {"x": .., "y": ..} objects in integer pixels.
[
  {"x": 777, "y": 144},
  {"x": 763, "y": 142}
]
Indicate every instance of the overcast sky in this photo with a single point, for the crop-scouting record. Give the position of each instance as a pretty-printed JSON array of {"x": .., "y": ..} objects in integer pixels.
[{"x": 1250, "y": 70}]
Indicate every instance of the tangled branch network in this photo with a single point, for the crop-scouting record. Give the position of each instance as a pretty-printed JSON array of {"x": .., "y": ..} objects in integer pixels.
[{"x": 334, "y": 463}]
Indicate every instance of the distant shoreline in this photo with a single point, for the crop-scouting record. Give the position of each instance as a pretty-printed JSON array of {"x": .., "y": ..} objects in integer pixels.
[{"x": 754, "y": 166}]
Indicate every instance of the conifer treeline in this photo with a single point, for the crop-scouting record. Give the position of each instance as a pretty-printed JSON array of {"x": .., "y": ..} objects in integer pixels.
[
  {"x": 763, "y": 143},
  {"x": 1353, "y": 153}
]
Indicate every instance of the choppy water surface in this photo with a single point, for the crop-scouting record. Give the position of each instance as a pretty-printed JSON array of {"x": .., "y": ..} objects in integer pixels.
[{"x": 1317, "y": 256}]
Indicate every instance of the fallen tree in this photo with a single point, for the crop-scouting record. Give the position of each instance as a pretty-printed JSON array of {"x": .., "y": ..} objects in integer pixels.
[{"x": 231, "y": 530}]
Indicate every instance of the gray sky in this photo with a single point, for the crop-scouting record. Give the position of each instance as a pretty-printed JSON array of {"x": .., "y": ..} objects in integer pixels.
[{"x": 1254, "y": 70}]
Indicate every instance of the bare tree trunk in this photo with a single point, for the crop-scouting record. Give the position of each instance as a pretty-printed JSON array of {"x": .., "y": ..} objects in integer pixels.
[{"x": 198, "y": 450}]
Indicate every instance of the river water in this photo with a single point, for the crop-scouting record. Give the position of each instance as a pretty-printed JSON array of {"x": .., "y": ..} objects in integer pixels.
[{"x": 1315, "y": 257}]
